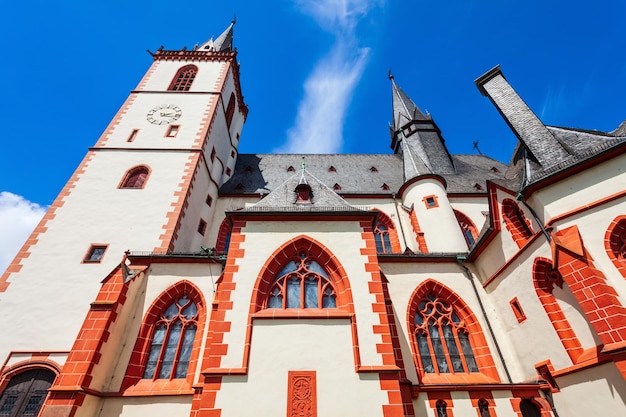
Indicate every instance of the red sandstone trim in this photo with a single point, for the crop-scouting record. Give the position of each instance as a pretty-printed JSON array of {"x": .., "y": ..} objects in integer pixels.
[
  {"x": 419, "y": 235},
  {"x": 174, "y": 217},
  {"x": 391, "y": 230},
  {"x": 104, "y": 138},
  {"x": 25, "y": 251},
  {"x": 615, "y": 243}
]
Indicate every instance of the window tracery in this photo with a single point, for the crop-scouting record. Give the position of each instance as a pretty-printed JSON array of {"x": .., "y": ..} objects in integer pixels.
[
  {"x": 135, "y": 177},
  {"x": 172, "y": 341},
  {"x": 302, "y": 283},
  {"x": 442, "y": 338}
]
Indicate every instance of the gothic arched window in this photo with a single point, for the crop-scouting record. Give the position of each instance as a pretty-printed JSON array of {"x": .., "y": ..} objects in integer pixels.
[
  {"x": 172, "y": 341},
  {"x": 223, "y": 237},
  {"x": 302, "y": 283},
  {"x": 470, "y": 233},
  {"x": 135, "y": 177},
  {"x": 381, "y": 236},
  {"x": 385, "y": 235},
  {"x": 184, "y": 78},
  {"x": 442, "y": 338}
]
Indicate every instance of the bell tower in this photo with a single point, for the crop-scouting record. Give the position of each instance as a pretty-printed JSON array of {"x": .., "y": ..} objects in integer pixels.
[{"x": 146, "y": 185}]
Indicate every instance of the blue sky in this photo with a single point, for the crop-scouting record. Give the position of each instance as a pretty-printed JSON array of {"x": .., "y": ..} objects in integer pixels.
[{"x": 314, "y": 75}]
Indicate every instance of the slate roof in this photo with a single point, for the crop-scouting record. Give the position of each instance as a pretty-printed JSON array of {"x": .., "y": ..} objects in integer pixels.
[
  {"x": 354, "y": 174},
  {"x": 582, "y": 145}
]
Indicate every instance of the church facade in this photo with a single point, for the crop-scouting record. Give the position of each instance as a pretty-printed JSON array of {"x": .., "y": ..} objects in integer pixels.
[{"x": 173, "y": 276}]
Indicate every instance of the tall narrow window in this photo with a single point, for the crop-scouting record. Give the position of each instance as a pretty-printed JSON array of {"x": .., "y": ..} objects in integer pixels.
[
  {"x": 483, "y": 408},
  {"x": 381, "y": 236},
  {"x": 135, "y": 177},
  {"x": 230, "y": 109},
  {"x": 302, "y": 283},
  {"x": 223, "y": 237},
  {"x": 529, "y": 409},
  {"x": 442, "y": 408},
  {"x": 385, "y": 235},
  {"x": 184, "y": 78},
  {"x": 515, "y": 222},
  {"x": 470, "y": 233},
  {"x": 615, "y": 243},
  {"x": 172, "y": 341}
]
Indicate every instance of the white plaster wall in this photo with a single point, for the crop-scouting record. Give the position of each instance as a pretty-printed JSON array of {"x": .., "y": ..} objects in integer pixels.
[
  {"x": 439, "y": 224},
  {"x": 599, "y": 391},
  {"x": 504, "y": 408},
  {"x": 343, "y": 239},
  {"x": 323, "y": 346},
  {"x": 534, "y": 340},
  {"x": 161, "y": 74},
  {"x": 595, "y": 183},
  {"x": 54, "y": 274},
  {"x": 194, "y": 108},
  {"x": 153, "y": 406}
]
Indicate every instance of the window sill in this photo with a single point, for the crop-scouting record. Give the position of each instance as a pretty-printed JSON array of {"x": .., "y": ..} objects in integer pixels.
[
  {"x": 159, "y": 387},
  {"x": 458, "y": 378},
  {"x": 297, "y": 313}
]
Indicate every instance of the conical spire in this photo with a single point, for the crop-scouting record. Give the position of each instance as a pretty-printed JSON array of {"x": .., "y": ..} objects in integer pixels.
[
  {"x": 404, "y": 110},
  {"x": 223, "y": 43}
]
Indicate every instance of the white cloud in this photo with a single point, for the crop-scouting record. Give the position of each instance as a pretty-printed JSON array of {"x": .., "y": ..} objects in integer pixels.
[
  {"x": 329, "y": 88},
  {"x": 18, "y": 218}
]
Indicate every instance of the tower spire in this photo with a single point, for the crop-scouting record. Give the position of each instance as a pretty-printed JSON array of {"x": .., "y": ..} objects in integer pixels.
[
  {"x": 404, "y": 109},
  {"x": 223, "y": 43}
]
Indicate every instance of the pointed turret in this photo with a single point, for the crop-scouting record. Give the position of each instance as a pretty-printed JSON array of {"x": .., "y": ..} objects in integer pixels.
[
  {"x": 404, "y": 110},
  {"x": 223, "y": 43},
  {"x": 417, "y": 138}
]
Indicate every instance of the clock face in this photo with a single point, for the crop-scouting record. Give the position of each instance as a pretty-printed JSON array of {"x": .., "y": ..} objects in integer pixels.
[{"x": 164, "y": 114}]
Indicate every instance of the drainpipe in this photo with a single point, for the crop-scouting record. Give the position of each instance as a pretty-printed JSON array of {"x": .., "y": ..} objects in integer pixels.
[
  {"x": 395, "y": 204},
  {"x": 520, "y": 197},
  {"x": 461, "y": 259}
]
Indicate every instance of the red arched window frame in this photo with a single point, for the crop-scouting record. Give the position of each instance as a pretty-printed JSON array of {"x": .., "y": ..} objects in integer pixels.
[
  {"x": 544, "y": 280},
  {"x": 516, "y": 223},
  {"x": 223, "y": 237},
  {"x": 42, "y": 374},
  {"x": 230, "y": 109},
  {"x": 334, "y": 284},
  {"x": 437, "y": 306},
  {"x": 470, "y": 232},
  {"x": 386, "y": 235},
  {"x": 135, "y": 177},
  {"x": 184, "y": 78},
  {"x": 161, "y": 314},
  {"x": 615, "y": 243}
]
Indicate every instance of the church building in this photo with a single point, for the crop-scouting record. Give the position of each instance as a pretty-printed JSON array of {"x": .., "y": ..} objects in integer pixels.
[{"x": 175, "y": 277}]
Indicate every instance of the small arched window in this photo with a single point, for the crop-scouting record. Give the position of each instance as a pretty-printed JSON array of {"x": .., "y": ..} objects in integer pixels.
[
  {"x": 470, "y": 233},
  {"x": 135, "y": 177},
  {"x": 184, "y": 78},
  {"x": 516, "y": 222},
  {"x": 302, "y": 283},
  {"x": 381, "y": 236},
  {"x": 223, "y": 237},
  {"x": 172, "y": 341},
  {"x": 385, "y": 235},
  {"x": 442, "y": 408},
  {"x": 442, "y": 339},
  {"x": 483, "y": 408},
  {"x": 230, "y": 109},
  {"x": 529, "y": 408},
  {"x": 26, "y": 392}
]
